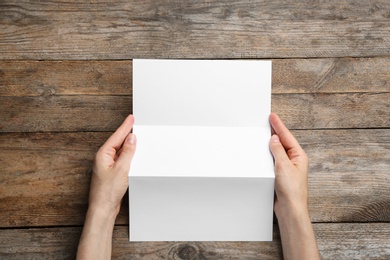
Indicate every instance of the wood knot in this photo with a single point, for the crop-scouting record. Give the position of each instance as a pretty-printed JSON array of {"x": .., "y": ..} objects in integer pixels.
[{"x": 185, "y": 252}]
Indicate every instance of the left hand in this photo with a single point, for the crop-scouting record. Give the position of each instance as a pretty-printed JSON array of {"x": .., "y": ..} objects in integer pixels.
[{"x": 110, "y": 169}]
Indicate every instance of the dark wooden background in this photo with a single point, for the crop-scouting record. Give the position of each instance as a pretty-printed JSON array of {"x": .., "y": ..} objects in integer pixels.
[{"x": 65, "y": 85}]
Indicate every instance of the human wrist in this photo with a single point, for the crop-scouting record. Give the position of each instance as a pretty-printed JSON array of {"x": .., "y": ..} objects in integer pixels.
[
  {"x": 101, "y": 202},
  {"x": 102, "y": 212},
  {"x": 292, "y": 210}
]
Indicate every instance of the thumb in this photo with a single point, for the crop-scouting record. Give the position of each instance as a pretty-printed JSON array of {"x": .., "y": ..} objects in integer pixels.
[
  {"x": 127, "y": 151},
  {"x": 278, "y": 152}
]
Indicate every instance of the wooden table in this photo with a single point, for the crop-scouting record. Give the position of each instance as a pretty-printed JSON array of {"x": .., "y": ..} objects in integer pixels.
[{"x": 66, "y": 83}]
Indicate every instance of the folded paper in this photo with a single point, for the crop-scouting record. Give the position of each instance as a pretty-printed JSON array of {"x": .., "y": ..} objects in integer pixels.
[{"x": 202, "y": 170}]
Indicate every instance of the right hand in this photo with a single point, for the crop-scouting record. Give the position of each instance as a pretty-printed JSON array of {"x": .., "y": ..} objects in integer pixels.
[{"x": 291, "y": 170}]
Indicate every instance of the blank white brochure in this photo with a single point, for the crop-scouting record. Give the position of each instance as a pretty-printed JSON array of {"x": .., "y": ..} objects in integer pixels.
[{"x": 202, "y": 170}]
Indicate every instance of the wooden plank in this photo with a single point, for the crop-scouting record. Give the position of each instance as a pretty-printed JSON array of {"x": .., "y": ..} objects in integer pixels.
[
  {"x": 193, "y": 29},
  {"x": 353, "y": 241},
  {"x": 340, "y": 75},
  {"x": 63, "y": 113},
  {"x": 55, "y": 78},
  {"x": 45, "y": 178},
  {"x": 299, "y": 111},
  {"x": 52, "y": 78},
  {"x": 349, "y": 175},
  {"x": 39, "y": 243},
  {"x": 51, "y": 95},
  {"x": 324, "y": 111},
  {"x": 335, "y": 241}
]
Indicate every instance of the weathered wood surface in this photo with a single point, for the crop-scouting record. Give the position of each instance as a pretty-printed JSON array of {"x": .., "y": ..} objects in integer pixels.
[
  {"x": 65, "y": 71},
  {"x": 104, "y": 113},
  {"x": 66, "y": 96},
  {"x": 53, "y": 78},
  {"x": 63, "y": 113},
  {"x": 339, "y": 75},
  {"x": 193, "y": 29},
  {"x": 335, "y": 241},
  {"x": 349, "y": 174},
  {"x": 45, "y": 176}
]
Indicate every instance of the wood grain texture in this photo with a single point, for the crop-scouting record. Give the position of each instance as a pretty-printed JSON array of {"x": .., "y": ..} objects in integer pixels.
[
  {"x": 63, "y": 113},
  {"x": 44, "y": 176},
  {"x": 353, "y": 241},
  {"x": 193, "y": 29},
  {"x": 65, "y": 84},
  {"x": 322, "y": 111},
  {"x": 66, "y": 96},
  {"x": 339, "y": 75},
  {"x": 335, "y": 241},
  {"x": 349, "y": 174},
  {"x": 55, "y": 78},
  {"x": 105, "y": 113}
]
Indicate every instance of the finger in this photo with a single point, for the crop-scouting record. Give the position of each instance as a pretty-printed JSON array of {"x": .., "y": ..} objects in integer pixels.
[
  {"x": 117, "y": 138},
  {"x": 272, "y": 131},
  {"x": 127, "y": 152},
  {"x": 118, "y": 153},
  {"x": 278, "y": 151},
  {"x": 272, "y": 128},
  {"x": 286, "y": 138}
]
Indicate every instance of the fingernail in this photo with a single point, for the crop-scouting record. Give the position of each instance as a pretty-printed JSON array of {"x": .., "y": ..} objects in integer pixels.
[
  {"x": 132, "y": 139},
  {"x": 275, "y": 139}
]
